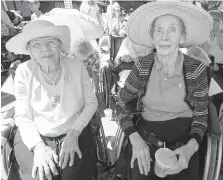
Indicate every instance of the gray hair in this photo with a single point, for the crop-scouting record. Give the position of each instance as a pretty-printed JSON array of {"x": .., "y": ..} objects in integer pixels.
[{"x": 183, "y": 28}]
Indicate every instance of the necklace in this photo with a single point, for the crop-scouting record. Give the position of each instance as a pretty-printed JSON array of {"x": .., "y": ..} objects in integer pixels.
[
  {"x": 56, "y": 98},
  {"x": 52, "y": 82}
]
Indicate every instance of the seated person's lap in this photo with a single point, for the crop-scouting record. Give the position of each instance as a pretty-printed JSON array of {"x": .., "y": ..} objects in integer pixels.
[{"x": 24, "y": 157}]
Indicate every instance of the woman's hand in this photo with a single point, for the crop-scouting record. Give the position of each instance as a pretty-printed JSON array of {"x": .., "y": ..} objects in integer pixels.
[
  {"x": 140, "y": 152},
  {"x": 44, "y": 160},
  {"x": 69, "y": 147},
  {"x": 185, "y": 153}
]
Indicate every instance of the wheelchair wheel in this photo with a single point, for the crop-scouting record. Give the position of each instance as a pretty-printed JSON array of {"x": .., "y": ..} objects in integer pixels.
[
  {"x": 7, "y": 157},
  {"x": 211, "y": 171},
  {"x": 219, "y": 155},
  {"x": 213, "y": 158},
  {"x": 104, "y": 89}
]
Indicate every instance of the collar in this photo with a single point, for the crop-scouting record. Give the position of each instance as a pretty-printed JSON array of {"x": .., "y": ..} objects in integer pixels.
[{"x": 179, "y": 63}]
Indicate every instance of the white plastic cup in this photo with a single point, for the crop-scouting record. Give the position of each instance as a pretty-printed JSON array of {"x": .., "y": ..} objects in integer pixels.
[
  {"x": 164, "y": 161},
  {"x": 108, "y": 113}
]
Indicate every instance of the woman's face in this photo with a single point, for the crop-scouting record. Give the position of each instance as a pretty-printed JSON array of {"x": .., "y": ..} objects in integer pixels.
[
  {"x": 45, "y": 50},
  {"x": 167, "y": 34},
  {"x": 34, "y": 6},
  {"x": 217, "y": 21}
]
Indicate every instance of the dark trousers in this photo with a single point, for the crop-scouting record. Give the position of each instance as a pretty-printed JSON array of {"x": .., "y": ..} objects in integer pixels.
[
  {"x": 82, "y": 169},
  {"x": 175, "y": 133}
]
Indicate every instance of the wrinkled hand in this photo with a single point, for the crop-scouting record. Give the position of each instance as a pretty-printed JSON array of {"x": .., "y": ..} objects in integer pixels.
[
  {"x": 69, "y": 147},
  {"x": 44, "y": 161},
  {"x": 185, "y": 153},
  {"x": 140, "y": 152}
]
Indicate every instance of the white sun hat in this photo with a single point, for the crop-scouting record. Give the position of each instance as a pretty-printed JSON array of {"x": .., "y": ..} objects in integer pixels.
[
  {"x": 197, "y": 21},
  {"x": 135, "y": 50},
  {"x": 37, "y": 29},
  {"x": 82, "y": 27}
]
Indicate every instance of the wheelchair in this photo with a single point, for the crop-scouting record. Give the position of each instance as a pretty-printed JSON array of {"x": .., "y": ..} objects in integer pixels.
[
  {"x": 211, "y": 148},
  {"x": 107, "y": 67}
]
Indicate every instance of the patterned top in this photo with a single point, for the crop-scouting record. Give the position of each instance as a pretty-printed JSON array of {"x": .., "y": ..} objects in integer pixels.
[
  {"x": 196, "y": 81},
  {"x": 165, "y": 98}
]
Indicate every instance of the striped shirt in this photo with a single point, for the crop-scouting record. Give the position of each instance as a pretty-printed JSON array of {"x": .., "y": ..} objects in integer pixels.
[{"x": 196, "y": 81}]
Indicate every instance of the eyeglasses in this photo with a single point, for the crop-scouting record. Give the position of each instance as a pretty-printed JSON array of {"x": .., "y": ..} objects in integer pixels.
[{"x": 52, "y": 43}]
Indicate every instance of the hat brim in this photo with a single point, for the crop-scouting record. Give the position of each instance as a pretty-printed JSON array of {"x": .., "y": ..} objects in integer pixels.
[
  {"x": 18, "y": 43},
  {"x": 198, "y": 22}
]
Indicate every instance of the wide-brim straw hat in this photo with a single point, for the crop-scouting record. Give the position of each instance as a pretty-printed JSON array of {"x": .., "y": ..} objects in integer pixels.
[
  {"x": 197, "y": 21},
  {"x": 37, "y": 29}
]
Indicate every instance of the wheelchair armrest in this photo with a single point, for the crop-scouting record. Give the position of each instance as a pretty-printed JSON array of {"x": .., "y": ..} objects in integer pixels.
[
  {"x": 7, "y": 129},
  {"x": 95, "y": 123},
  {"x": 214, "y": 125}
]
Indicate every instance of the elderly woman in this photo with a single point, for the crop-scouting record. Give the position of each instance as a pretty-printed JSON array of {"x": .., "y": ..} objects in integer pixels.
[
  {"x": 86, "y": 53},
  {"x": 54, "y": 105},
  {"x": 113, "y": 17},
  {"x": 171, "y": 88},
  {"x": 35, "y": 8},
  {"x": 90, "y": 8}
]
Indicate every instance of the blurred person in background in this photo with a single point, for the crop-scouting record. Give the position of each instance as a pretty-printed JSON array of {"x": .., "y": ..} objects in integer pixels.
[
  {"x": 11, "y": 24},
  {"x": 213, "y": 46},
  {"x": 8, "y": 28},
  {"x": 90, "y": 8},
  {"x": 16, "y": 18},
  {"x": 35, "y": 8},
  {"x": 113, "y": 17},
  {"x": 90, "y": 58}
]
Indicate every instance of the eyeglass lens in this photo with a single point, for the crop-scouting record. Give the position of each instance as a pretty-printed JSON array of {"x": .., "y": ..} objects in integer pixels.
[{"x": 52, "y": 43}]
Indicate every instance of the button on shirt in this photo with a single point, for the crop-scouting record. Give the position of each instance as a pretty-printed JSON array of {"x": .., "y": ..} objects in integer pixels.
[{"x": 164, "y": 99}]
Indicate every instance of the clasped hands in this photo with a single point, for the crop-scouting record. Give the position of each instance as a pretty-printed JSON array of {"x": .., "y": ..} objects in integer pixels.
[
  {"x": 46, "y": 159},
  {"x": 141, "y": 153}
]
